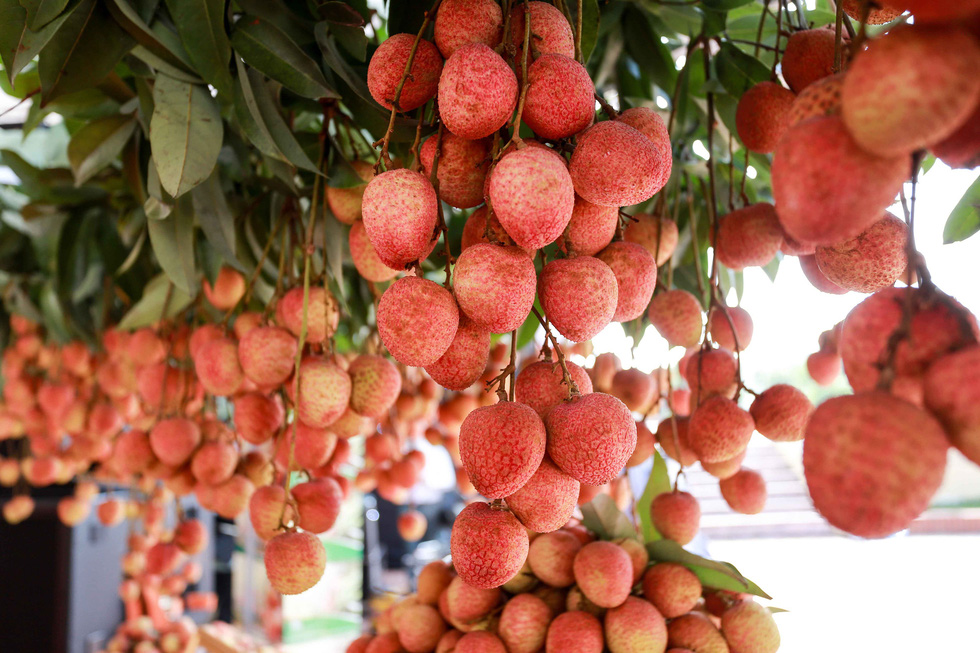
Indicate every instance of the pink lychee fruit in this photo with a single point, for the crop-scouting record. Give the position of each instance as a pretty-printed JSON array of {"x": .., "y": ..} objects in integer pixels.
[
  {"x": 369, "y": 265},
  {"x": 400, "y": 215},
  {"x": 258, "y": 417},
  {"x": 489, "y": 546},
  {"x": 635, "y": 389},
  {"x": 266, "y": 505},
  {"x": 650, "y": 124},
  {"x": 417, "y": 321},
  {"x": 634, "y": 627},
  {"x": 324, "y": 391},
  {"x": 658, "y": 234},
  {"x": 228, "y": 289},
  {"x": 749, "y": 237},
  {"x": 375, "y": 384},
  {"x": 604, "y": 573},
  {"x": 322, "y": 313},
  {"x": 811, "y": 270},
  {"x": 173, "y": 440},
  {"x": 421, "y": 628},
  {"x": 749, "y": 628},
  {"x": 550, "y": 30},
  {"x": 387, "y": 67},
  {"x": 591, "y": 228},
  {"x": 781, "y": 413},
  {"x": 546, "y": 502},
  {"x": 462, "y": 167},
  {"x": 719, "y": 429},
  {"x": 480, "y": 641},
  {"x": 294, "y": 561},
  {"x": 575, "y": 632},
  {"x": 636, "y": 277},
  {"x": 676, "y": 315},
  {"x": 579, "y": 295},
  {"x": 952, "y": 393},
  {"x": 477, "y": 91},
  {"x": 461, "y": 22},
  {"x": 539, "y": 385},
  {"x": 467, "y": 603},
  {"x": 676, "y": 515},
  {"x": 695, "y": 632},
  {"x": 744, "y": 491},
  {"x": 616, "y": 165},
  {"x": 560, "y": 98},
  {"x": 872, "y": 260},
  {"x": 821, "y": 98},
  {"x": 524, "y": 624},
  {"x": 720, "y": 322},
  {"x": 217, "y": 367},
  {"x": 214, "y": 462},
  {"x": 552, "y": 556},
  {"x": 762, "y": 116},
  {"x": 590, "y": 437},
  {"x": 318, "y": 503},
  {"x": 267, "y": 355},
  {"x": 502, "y": 447},
  {"x": 495, "y": 286},
  {"x": 345, "y": 201},
  {"x": 672, "y": 588},
  {"x": 809, "y": 56}
]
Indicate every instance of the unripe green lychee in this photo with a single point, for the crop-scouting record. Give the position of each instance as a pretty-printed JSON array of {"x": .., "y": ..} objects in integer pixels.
[
  {"x": 579, "y": 295},
  {"x": 294, "y": 562},
  {"x": 400, "y": 214},
  {"x": 477, "y": 92},
  {"x": 672, "y": 588},
  {"x": 676, "y": 315},
  {"x": 590, "y": 437},
  {"x": 387, "y": 67},
  {"x": 546, "y": 502},
  {"x": 762, "y": 116},
  {"x": 417, "y": 320},
  {"x": 489, "y": 546},
  {"x": 502, "y": 447},
  {"x": 676, "y": 515}
]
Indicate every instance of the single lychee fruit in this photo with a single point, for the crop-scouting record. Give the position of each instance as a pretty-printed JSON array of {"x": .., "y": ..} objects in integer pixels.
[
  {"x": 720, "y": 322},
  {"x": 214, "y": 462},
  {"x": 635, "y": 389},
  {"x": 646, "y": 444},
  {"x": 877, "y": 14},
  {"x": 872, "y": 260},
  {"x": 417, "y": 321},
  {"x": 961, "y": 149},
  {"x": 421, "y": 628},
  {"x": 489, "y": 546},
  {"x": 480, "y": 641},
  {"x": 658, "y": 234},
  {"x": 781, "y": 413},
  {"x": 191, "y": 537},
  {"x": 952, "y": 393},
  {"x": 827, "y": 189},
  {"x": 412, "y": 525},
  {"x": 322, "y": 313},
  {"x": 18, "y": 508},
  {"x": 744, "y": 491},
  {"x": 540, "y": 386},
  {"x": 245, "y": 322},
  {"x": 575, "y": 632},
  {"x": 324, "y": 391},
  {"x": 318, "y": 503},
  {"x": 387, "y": 67},
  {"x": 432, "y": 580},
  {"x": 650, "y": 124},
  {"x": 552, "y": 557},
  {"x": 636, "y": 277},
  {"x": 821, "y": 98},
  {"x": 749, "y": 237},
  {"x": 635, "y": 627},
  {"x": 546, "y": 502},
  {"x": 384, "y": 643},
  {"x": 228, "y": 289},
  {"x": 173, "y": 440},
  {"x": 762, "y": 116},
  {"x": 524, "y": 624},
  {"x": 400, "y": 215},
  {"x": 502, "y": 447},
  {"x": 461, "y": 22},
  {"x": 590, "y": 437},
  {"x": 267, "y": 355},
  {"x": 579, "y": 295},
  {"x": 313, "y": 446},
  {"x": 604, "y": 573},
  {"x": 294, "y": 561},
  {"x": 591, "y": 228},
  {"x": 532, "y": 196},
  {"x": 266, "y": 505},
  {"x": 672, "y": 588},
  {"x": 749, "y": 628},
  {"x": 231, "y": 497},
  {"x": 616, "y": 165},
  {"x": 809, "y": 56},
  {"x": 257, "y": 417},
  {"x": 375, "y": 384},
  {"x": 345, "y": 202},
  {"x": 676, "y": 516},
  {"x": 475, "y": 230},
  {"x": 711, "y": 372},
  {"x": 462, "y": 167},
  {"x": 811, "y": 270},
  {"x": 465, "y": 360},
  {"x": 676, "y": 315},
  {"x": 824, "y": 367},
  {"x": 369, "y": 265},
  {"x": 132, "y": 452},
  {"x": 719, "y": 429},
  {"x": 217, "y": 367},
  {"x": 467, "y": 603},
  {"x": 550, "y": 30},
  {"x": 495, "y": 286},
  {"x": 111, "y": 512},
  {"x": 911, "y": 88},
  {"x": 560, "y": 98},
  {"x": 695, "y": 632},
  {"x": 725, "y": 468},
  {"x": 477, "y": 92}
]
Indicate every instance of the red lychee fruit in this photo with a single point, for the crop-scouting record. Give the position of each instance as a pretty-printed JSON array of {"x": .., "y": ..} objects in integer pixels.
[
  {"x": 474, "y": 231},
  {"x": 749, "y": 628},
  {"x": 313, "y": 446},
  {"x": 386, "y": 643},
  {"x": 550, "y": 30},
  {"x": 267, "y": 355},
  {"x": 872, "y": 260},
  {"x": 877, "y": 14},
  {"x": 465, "y": 360},
  {"x": 214, "y": 462},
  {"x": 462, "y": 171},
  {"x": 461, "y": 22},
  {"x": 719, "y": 430},
  {"x": 811, "y": 270},
  {"x": 551, "y": 557},
  {"x": 417, "y": 321},
  {"x": 744, "y": 491},
  {"x": 132, "y": 452},
  {"x": 489, "y": 546},
  {"x": 763, "y": 115},
  {"x": 257, "y": 417},
  {"x": 657, "y": 234},
  {"x": 646, "y": 444},
  {"x": 480, "y": 641},
  {"x": 604, "y": 573},
  {"x": 634, "y": 627},
  {"x": 345, "y": 202},
  {"x": 676, "y": 516},
  {"x": 191, "y": 537},
  {"x": 636, "y": 277},
  {"x": 749, "y": 237},
  {"x": 369, "y": 265},
  {"x": 711, "y": 372},
  {"x": 375, "y": 384},
  {"x": 201, "y": 336},
  {"x": 591, "y": 228},
  {"x": 952, "y": 393},
  {"x": 173, "y": 440},
  {"x": 672, "y": 588},
  {"x": 111, "y": 512},
  {"x": 495, "y": 286},
  {"x": 421, "y": 628},
  {"x": 266, "y": 505},
  {"x": 809, "y": 56},
  {"x": 781, "y": 413},
  {"x": 245, "y": 322},
  {"x": 911, "y": 88},
  {"x": 695, "y": 632},
  {"x": 720, "y": 322},
  {"x": 524, "y": 624},
  {"x": 961, "y": 149},
  {"x": 432, "y": 580},
  {"x": 540, "y": 386},
  {"x": 590, "y": 437},
  {"x": 217, "y": 367},
  {"x": 324, "y": 391},
  {"x": 546, "y": 502},
  {"x": 228, "y": 289},
  {"x": 477, "y": 92},
  {"x": 827, "y": 189},
  {"x": 821, "y": 98},
  {"x": 502, "y": 447},
  {"x": 575, "y": 632},
  {"x": 231, "y": 497},
  {"x": 560, "y": 97},
  {"x": 318, "y": 504},
  {"x": 163, "y": 558},
  {"x": 467, "y": 603},
  {"x": 387, "y": 67},
  {"x": 824, "y": 367},
  {"x": 725, "y": 468},
  {"x": 400, "y": 211},
  {"x": 146, "y": 348},
  {"x": 412, "y": 525},
  {"x": 322, "y": 313},
  {"x": 635, "y": 389},
  {"x": 532, "y": 196},
  {"x": 294, "y": 561},
  {"x": 616, "y": 165},
  {"x": 579, "y": 295},
  {"x": 676, "y": 315},
  {"x": 650, "y": 124}
]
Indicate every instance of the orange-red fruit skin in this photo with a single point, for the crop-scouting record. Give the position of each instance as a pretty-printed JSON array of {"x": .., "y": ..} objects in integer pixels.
[
  {"x": 952, "y": 393},
  {"x": 672, "y": 588},
  {"x": 636, "y": 277},
  {"x": 477, "y": 92},
  {"x": 635, "y": 627},
  {"x": 495, "y": 286},
  {"x": 591, "y": 227},
  {"x": 574, "y": 632},
  {"x": 676, "y": 315},
  {"x": 400, "y": 213},
  {"x": 809, "y": 56},
  {"x": 502, "y": 447},
  {"x": 694, "y": 631},
  {"x": 749, "y": 628},
  {"x": 488, "y": 546},
  {"x": 781, "y": 413},
  {"x": 546, "y": 502},
  {"x": 369, "y": 265},
  {"x": 658, "y": 235},
  {"x": 591, "y": 437},
  {"x": 744, "y": 491},
  {"x": 650, "y": 124},
  {"x": 539, "y": 385},
  {"x": 294, "y": 562},
  {"x": 387, "y": 67},
  {"x": 551, "y": 31},
  {"x": 762, "y": 116},
  {"x": 460, "y": 22},
  {"x": 719, "y": 429},
  {"x": 417, "y": 321},
  {"x": 872, "y": 260},
  {"x": 676, "y": 515},
  {"x": 604, "y": 573},
  {"x": 616, "y": 165},
  {"x": 462, "y": 168},
  {"x": 465, "y": 360},
  {"x": 579, "y": 295},
  {"x": 750, "y": 236},
  {"x": 560, "y": 98}
]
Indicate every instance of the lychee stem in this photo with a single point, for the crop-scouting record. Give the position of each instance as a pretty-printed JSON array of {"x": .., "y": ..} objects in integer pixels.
[{"x": 566, "y": 377}]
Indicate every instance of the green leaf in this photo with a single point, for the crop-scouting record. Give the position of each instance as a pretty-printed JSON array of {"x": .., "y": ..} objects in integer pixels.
[
  {"x": 185, "y": 134},
  {"x": 268, "y": 49},
  {"x": 590, "y": 27},
  {"x": 171, "y": 51},
  {"x": 82, "y": 51},
  {"x": 173, "y": 244},
  {"x": 42, "y": 12},
  {"x": 724, "y": 5},
  {"x": 162, "y": 66},
  {"x": 97, "y": 144},
  {"x": 657, "y": 484},
  {"x": 201, "y": 26},
  {"x": 644, "y": 46},
  {"x": 711, "y": 573},
  {"x": 18, "y": 44},
  {"x": 215, "y": 218},
  {"x": 149, "y": 309},
  {"x": 340, "y": 13},
  {"x": 602, "y": 517},
  {"x": 738, "y": 71},
  {"x": 964, "y": 220},
  {"x": 353, "y": 39},
  {"x": 525, "y": 333}
]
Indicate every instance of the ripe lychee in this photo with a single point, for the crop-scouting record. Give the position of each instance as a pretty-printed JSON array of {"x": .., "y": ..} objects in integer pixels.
[
  {"x": 369, "y": 265},
  {"x": 318, "y": 503},
  {"x": 877, "y": 14},
  {"x": 375, "y": 384},
  {"x": 495, "y": 286},
  {"x": 711, "y": 372},
  {"x": 579, "y": 295},
  {"x": 432, "y": 580},
  {"x": 546, "y": 502},
  {"x": 18, "y": 508},
  {"x": 245, "y": 322},
  {"x": 951, "y": 393},
  {"x": 111, "y": 512},
  {"x": 387, "y": 67},
  {"x": 324, "y": 391},
  {"x": 635, "y": 627},
  {"x": 672, "y": 588},
  {"x": 191, "y": 537},
  {"x": 695, "y": 632},
  {"x": 823, "y": 366},
  {"x": 322, "y": 313},
  {"x": 540, "y": 386},
  {"x": 386, "y": 643},
  {"x": 811, "y": 270},
  {"x": 604, "y": 573},
  {"x": 480, "y": 641},
  {"x": 294, "y": 561},
  {"x": 720, "y": 322},
  {"x": 267, "y": 355},
  {"x": 345, "y": 202},
  {"x": 228, "y": 289},
  {"x": 749, "y": 628},
  {"x": 214, "y": 462},
  {"x": 258, "y": 417},
  {"x": 173, "y": 440},
  {"x": 421, "y": 628},
  {"x": 462, "y": 170},
  {"x": 616, "y": 165},
  {"x": 550, "y": 31},
  {"x": 489, "y": 546},
  {"x": 477, "y": 92},
  {"x": 646, "y": 444},
  {"x": 676, "y": 315},
  {"x": 590, "y": 437},
  {"x": 821, "y": 98},
  {"x": 266, "y": 505},
  {"x": 719, "y": 429},
  {"x": 676, "y": 516},
  {"x": 461, "y": 22},
  {"x": 650, "y": 124},
  {"x": 750, "y": 236},
  {"x": 502, "y": 447},
  {"x": 744, "y": 491},
  {"x": 465, "y": 360},
  {"x": 658, "y": 234},
  {"x": 417, "y": 321},
  {"x": 217, "y": 367},
  {"x": 809, "y": 56},
  {"x": 467, "y": 603},
  {"x": 575, "y": 632},
  {"x": 961, "y": 149},
  {"x": 400, "y": 215},
  {"x": 591, "y": 228},
  {"x": 763, "y": 115},
  {"x": 412, "y": 525},
  {"x": 872, "y": 260},
  {"x": 231, "y": 497},
  {"x": 781, "y": 413},
  {"x": 560, "y": 98},
  {"x": 636, "y": 277},
  {"x": 552, "y": 556},
  {"x": 132, "y": 452},
  {"x": 524, "y": 624}
]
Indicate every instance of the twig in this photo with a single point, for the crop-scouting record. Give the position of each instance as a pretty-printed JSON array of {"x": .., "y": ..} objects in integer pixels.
[{"x": 566, "y": 377}]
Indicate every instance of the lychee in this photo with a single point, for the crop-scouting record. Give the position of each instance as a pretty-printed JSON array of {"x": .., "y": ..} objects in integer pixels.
[
  {"x": 811, "y": 270},
  {"x": 658, "y": 234},
  {"x": 821, "y": 98},
  {"x": 672, "y": 588},
  {"x": 744, "y": 491},
  {"x": 676, "y": 515},
  {"x": 591, "y": 228},
  {"x": 720, "y": 323},
  {"x": 579, "y": 295},
  {"x": 809, "y": 56},
  {"x": 231, "y": 497},
  {"x": 461, "y": 22},
  {"x": 877, "y": 14},
  {"x": 952, "y": 393},
  {"x": 524, "y": 624},
  {"x": 676, "y": 315},
  {"x": 173, "y": 440},
  {"x": 465, "y": 360},
  {"x": 318, "y": 504},
  {"x": 635, "y": 627},
  {"x": 635, "y": 389},
  {"x": 462, "y": 167},
  {"x": 214, "y": 462},
  {"x": 324, "y": 390},
  {"x": 345, "y": 202},
  {"x": 417, "y": 321},
  {"x": 574, "y": 632},
  {"x": 650, "y": 124},
  {"x": 502, "y": 447},
  {"x": 400, "y": 215},
  {"x": 387, "y": 67},
  {"x": 294, "y": 561},
  {"x": 762, "y": 116},
  {"x": 369, "y": 265},
  {"x": 540, "y": 386},
  {"x": 495, "y": 286},
  {"x": 711, "y": 372},
  {"x": 749, "y": 237},
  {"x": 636, "y": 277},
  {"x": 872, "y": 260},
  {"x": 477, "y": 92},
  {"x": 781, "y": 413},
  {"x": 258, "y": 417},
  {"x": 412, "y": 525},
  {"x": 749, "y": 628},
  {"x": 267, "y": 355},
  {"x": 467, "y": 603},
  {"x": 552, "y": 556},
  {"x": 560, "y": 98},
  {"x": 191, "y": 537},
  {"x": 646, "y": 444},
  {"x": 961, "y": 149},
  {"x": 719, "y": 429},
  {"x": 489, "y": 546},
  {"x": 824, "y": 367},
  {"x": 550, "y": 30},
  {"x": 546, "y": 502},
  {"x": 375, "y": 384},
  {"x": 322, "y": 313},
  {"x": 421, "y": 628},
  {"x": 228, "y": 289},
  {"x": 432, "y": 580},
  {"x": 590, "y": 437},
  {"x": 111, "y": 512},
  {"x": 18, "y": 508},
  {"x": 616, "y": 165},
  {"x": 217, "y": 367},
  {"x": 604, "y": 573},
  {"x": 480, "y": 641},
  {"x": 266, "y": 505},
  {"x": 694, "y": 631}
]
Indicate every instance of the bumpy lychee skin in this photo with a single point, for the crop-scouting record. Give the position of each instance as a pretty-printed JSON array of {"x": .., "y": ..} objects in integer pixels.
[
  {"x": 421, "y": 628},
  {"x": 695, "y": 632},
  {"x": 466, "y": 359},
  {"x": 591, "y": 228},
  {"x": 495, "y": 286},
  {"x": 369, "y": 265},
  {"x": 809, "y": 56},
  {"x": 539, "y": 385},
  {"x": 827, "y": 189},
  {"x": 265, "y": 507},
  {"x": 294, "y": 562},
  {"x": 781, "y": 413},
  {"x": 462, "y": 169},
  {"x": 952, "y": 393},
  {"x": 666, "y": 438},
  {"x": 821, "y": 98},
  {"x": 477, "y": 92},
  {"x": 744, "y": 491},
  {"x": 467, "y": 603},
  {"x": 872, "y": 462},
  {"x": 762, "y": 116},
  {"x": 400, "y": 213},
  {"x": 749, "y": 628},
  {"x": 318, "y": 503},
  {"x": 938, "y": 89},
  {"x": 676, "y": 315},
  {"x": 532, "y": 196},
  {"x": 604, "y": 573},
  {"x": 877, "y": 15},
  {"x": 811, "y": 270},
  {"x": 257, "y": 417},
  {"x": 650, "y": 124},
  {"x": 646, "y": 444},
  {"x": 749, "y": 236},
  {"x": 673, "y": 589},
  {"x": 488, "y": 546},
  {"x": 579, "y": 295},
  {"x": 574, "y": 632},
  {"x": 550, "y": 30},
  {"x": 375, "y": 384},
  {"x": 474, "y": 231},
  {"x": 547, "y": 500},
  {"x": 635, "y": 389},
  {"x": 552, "y": 556},
  {"x": 388, "y": 65},
  {"x": 560, "y": 98},
  {"x": 872, "y": 260},
  {"x": 173, "y": 440},
  {"x": 324, "y": 391},
  {"x": 634, "y": 627},
  {"x": 720, "y": 323},
  {"x": 524, "y": 624},
  {"x": 591, "y": 437},
  {"x": 214, "y": 462},
  {"x": 502, "y": 447},
  {"x": 217, "y": 367},
  {"x": 417, "y": 321},
  {"x": 267, "y": 355},
  {"x": 616, "y": 165},
  {"x": 461, "y": 22},
  {"x": 636, "y": 277},
  {"x": 657, "y": 234},
  {"x": 676, "y": 515},
  {"x": 322, "y": 313},
  {"x": 719, "y": 430}
]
